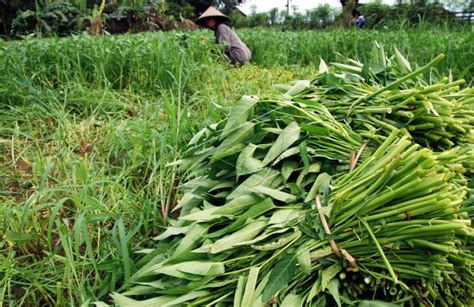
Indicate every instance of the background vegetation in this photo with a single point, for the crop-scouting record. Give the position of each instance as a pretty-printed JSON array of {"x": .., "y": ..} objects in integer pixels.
[
  {"x": 89, "y": 125},
  {"x": 48, "y": 17}
]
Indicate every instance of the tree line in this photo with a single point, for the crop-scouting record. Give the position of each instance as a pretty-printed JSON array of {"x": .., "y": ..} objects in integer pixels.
[{"x": 48, "y": 17}]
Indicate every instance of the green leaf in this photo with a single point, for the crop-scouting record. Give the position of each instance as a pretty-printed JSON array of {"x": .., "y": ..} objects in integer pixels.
[
  {"x": 366, "y": 72},
  {"x": 201, "y": 182},
  {"x": 189, "y": 200},
  {"x": 186, "y": 286},
  {"x": 246, "y": 163},
  {"x": 275, "y": 194},
  {"x": 158, "y": 284},
  {"x": 333, "y": 288},
  {"x": 266, "y": 177},
  {"x": 154, "y": 263},
  {"x": 378, "y": 55},
  {"x": 235, "y": 138},
  {"x": 298, "y": 88},
  {"x": 282, "y": 88},
  {"x": 321, "y": 253},
  {"x": 172, "y": 231},
  {"x": 238, "y": 204},
  {"x": 186, "y": 163},
  {"x": 315, "y": 290},
  {"x": 261, "y": 286},
  {"x": 287, "y": 137},
  {"x": 323, "y": 180},
  {"x": 296, "y": 189},
  {"x": 304, "y": 260},
  {"x": 328, "y": 274},
  {"x": 347, "y": 68},
  {"x": 320, "y": 302},
  {"x": 292, "y": 300},
  {"x": 122, "y": 300},
  {"x": 280, "y": 276},
  {"x": 272, "y": 130},
  {"x": 202, "y": 215},
  {"x": 87, "y": 303},
  {"x": 246, "y": 233},
  {"x": 304, "y": 156},
  {"x": 402, "y": 62},
  {"x": 314, "y": 167},
  {"x": 377, "y": 304},
  {"x": 228, "y": 151},
  {"x": 283, "y": 216},
  {"x": 239, "y": 291},
  {"x": 193, "y": 237},
  {"x": 287, "y": 153},
  {"x": 198, "y": 283},
  {"x": 140, "y": 290},
  {"x": 171, "y": 270},
  {"x": 185, "y": 298},
  {"x": 198, "y": 136},
  {"x": 315, "y": 130},
  {"x": 221, "y": 185},
  {"x": 263, "y": 236},
  {"x": 306, "y": 227},
  {"x": 287, "y": 168},
  {"x": 239, "y": 114},
  {"x": 218, "y": 284},
  {"x": 258, "y": 301},
  {"x": 253, "y": 212},
  {"x": 248, "y": 297},
  {"x": 323, "y": 67},
  {"x": 201, "y": 268}
]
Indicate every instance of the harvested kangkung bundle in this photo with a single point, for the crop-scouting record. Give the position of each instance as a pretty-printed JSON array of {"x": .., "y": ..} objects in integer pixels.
[
  {"x": 390, "y": 93},
  {"x": 329, "y": 194}
]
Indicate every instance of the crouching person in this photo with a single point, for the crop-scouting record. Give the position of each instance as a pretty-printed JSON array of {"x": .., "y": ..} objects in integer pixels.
[{"x": 235, "y": 49}]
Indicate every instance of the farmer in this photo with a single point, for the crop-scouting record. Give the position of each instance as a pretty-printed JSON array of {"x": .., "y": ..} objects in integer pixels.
[
  {"x": 360, "y": 21},
  {"x": 235, "y": 49}
]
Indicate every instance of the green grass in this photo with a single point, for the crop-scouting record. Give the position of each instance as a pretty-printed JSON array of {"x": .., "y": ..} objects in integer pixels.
[
  {"x": 88, "y": 126},
  {"x": 306, "y": 47}
]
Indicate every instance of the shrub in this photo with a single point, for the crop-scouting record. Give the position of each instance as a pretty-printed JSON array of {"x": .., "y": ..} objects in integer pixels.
[{"x": 60, "y": 18}]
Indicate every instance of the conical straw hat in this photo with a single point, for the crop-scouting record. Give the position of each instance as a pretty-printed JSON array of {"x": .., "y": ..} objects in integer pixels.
[{"x": 210, "y": 12}]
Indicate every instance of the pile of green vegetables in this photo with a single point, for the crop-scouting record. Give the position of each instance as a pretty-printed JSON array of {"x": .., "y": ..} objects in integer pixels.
[{"x": 345, "y": 189}]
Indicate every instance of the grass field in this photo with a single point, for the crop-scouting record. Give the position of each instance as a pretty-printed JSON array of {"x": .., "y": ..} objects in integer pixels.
[{"x": 88, "y": 126}]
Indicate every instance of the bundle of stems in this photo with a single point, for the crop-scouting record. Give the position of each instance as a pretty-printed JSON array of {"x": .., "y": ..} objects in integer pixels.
[
  {"x": 297, "y": 201},
  {"x": 375, "y": 101}
]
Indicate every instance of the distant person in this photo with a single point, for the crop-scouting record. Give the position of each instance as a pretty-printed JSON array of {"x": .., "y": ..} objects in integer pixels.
[
  {"x": 235, "y": 49},
  {"x": 360, "y": 21}
]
